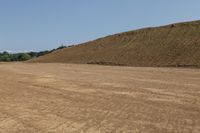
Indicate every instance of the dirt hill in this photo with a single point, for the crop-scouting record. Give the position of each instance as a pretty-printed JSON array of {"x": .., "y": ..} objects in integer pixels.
[{"x": 171, "y": 45}]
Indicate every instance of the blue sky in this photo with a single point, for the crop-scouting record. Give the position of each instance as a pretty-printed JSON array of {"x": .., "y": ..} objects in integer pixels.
[{"x": 46, "y": 24}]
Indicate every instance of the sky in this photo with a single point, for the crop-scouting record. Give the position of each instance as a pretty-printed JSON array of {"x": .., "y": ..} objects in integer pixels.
[{"x": 35, "y": 25}]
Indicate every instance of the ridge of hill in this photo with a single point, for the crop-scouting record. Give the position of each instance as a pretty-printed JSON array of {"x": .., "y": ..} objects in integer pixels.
[{"x": 171, "y": 45}]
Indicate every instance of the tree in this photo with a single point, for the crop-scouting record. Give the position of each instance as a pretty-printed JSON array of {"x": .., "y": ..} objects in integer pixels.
[
  {"x": 5, "y": 57},
  {"x": 24, "y": 57}
]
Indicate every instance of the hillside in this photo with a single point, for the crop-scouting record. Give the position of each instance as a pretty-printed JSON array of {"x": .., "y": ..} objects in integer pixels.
[{"x": 171, "y": 45}]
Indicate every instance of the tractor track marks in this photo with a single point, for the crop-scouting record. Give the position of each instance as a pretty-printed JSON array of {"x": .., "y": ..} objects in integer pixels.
[{"x": 98, "y": 99}]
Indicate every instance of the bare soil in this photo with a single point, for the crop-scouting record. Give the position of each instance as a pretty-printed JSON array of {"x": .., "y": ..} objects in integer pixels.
[
  {"x": 68, "y": 98},
  {"x": 175, "y": 45}
]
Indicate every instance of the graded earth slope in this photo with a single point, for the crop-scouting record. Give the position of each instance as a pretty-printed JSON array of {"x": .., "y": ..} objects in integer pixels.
[
  {"x": 64, "y": 98},
  {"x": 171, "y": 45}
]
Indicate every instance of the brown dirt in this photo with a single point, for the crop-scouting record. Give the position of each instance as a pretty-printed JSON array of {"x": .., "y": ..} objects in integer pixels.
[
  {"x": 66, "y": 98},
  {"x": 171, "y": 45}
]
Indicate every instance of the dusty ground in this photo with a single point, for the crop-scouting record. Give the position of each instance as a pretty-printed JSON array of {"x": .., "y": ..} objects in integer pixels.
[{"x": 87, "y": 98}]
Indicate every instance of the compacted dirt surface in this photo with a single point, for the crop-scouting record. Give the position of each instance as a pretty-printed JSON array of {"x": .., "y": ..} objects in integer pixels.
[{"x": 68, "y": 98}]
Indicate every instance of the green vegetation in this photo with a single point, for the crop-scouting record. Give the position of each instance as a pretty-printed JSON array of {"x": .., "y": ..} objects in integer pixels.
[{"x": 8, "y": 57}]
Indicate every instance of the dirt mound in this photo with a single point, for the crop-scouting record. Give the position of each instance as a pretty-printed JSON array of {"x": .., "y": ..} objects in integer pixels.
[{"x": 171, "y": 45}]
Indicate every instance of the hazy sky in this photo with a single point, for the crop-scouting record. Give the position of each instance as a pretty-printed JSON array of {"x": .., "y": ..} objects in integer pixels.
[{"x": 46, "y": 24}]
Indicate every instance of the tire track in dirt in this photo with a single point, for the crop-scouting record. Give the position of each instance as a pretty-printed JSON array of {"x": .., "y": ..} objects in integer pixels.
[{"x": 86, "y": 98}]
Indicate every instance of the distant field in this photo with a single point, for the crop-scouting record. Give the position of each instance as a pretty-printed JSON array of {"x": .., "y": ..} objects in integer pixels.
[{"x": 66, "y": 98}]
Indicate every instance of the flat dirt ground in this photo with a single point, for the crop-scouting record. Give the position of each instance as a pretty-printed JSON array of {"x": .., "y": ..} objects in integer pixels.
[{"x": 66, "y": 98}]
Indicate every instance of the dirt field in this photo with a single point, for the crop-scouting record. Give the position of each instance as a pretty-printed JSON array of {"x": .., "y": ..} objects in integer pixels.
[{"x": 66, "y": 98}]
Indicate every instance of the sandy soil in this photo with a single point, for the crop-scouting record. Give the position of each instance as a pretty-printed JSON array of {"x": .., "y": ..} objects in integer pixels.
[{"x": 67, "y": 98}]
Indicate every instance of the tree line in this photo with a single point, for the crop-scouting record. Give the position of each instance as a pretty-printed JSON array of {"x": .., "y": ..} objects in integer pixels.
[{"x": 9, "y": 57}]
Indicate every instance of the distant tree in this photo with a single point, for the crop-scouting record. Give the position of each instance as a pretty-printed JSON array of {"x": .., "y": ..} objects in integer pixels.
[
  {"x": 42, "y": 53},
  {"x": 24, "y": 57},
  {"x": 5, "y": 53},
  {"x": 5, "y": 57},
  {"x": 61, "y": 47},
  {"x": 33, "y": 54}
]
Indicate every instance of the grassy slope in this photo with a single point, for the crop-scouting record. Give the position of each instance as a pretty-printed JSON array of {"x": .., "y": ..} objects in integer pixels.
[{"x": 171, "y": 45}]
